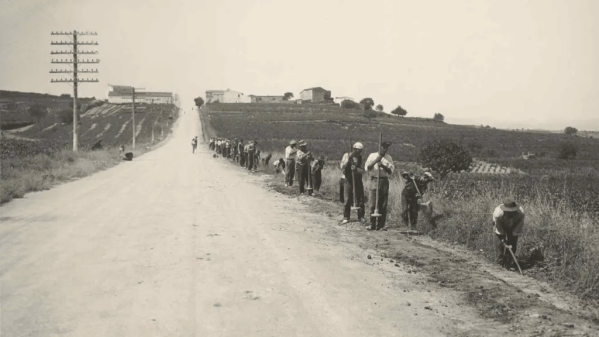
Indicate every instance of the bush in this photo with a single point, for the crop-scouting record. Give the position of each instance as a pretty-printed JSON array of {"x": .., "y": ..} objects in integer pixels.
[
  {"x": 444, "y": 156},
  {"x": 567, "y": 150},
  {"x": 349, "y": 104},
  {"x": 570, "y": 130},
  {"x": 439, "y": 117}
]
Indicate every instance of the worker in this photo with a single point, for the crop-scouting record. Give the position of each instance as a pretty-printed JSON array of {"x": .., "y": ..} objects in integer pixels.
[
  {"x": 240, "y": 158},
  {"x": 245, "y": 155},
  {"x": 251, "y": 154},
  {"x": 508, "y": 222},
  {"x": 411, "y": 196},
  {"x": 290, "y": 156},
  {"x": 302, "y": 165},
  {"x": 194, "y": 144},
  {"x": 227, "y": 148},
  {"x": 353, "y": 169},
  {"x": 316, "y": 167},
  {"x": 380, "y": 167}
]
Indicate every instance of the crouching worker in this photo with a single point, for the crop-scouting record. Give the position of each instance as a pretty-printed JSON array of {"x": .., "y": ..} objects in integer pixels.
[{"x": 508, "y": 222}]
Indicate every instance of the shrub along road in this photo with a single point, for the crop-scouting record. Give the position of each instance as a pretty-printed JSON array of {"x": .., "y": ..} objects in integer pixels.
[{"x": 175, "y": 244}]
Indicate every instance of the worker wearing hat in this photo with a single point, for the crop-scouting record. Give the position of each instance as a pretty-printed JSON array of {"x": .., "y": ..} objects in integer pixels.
[
  {"x": 508, "y": 222},
  {"x": 240, "y": 148},
  {"x": 302, "y": 165},
  {"x": 411, "y": 196},
  {"x": 290, "y": 154},
  {"x": 380, "y": 168},
  {"x": 251, "y": 153},
  {"x": 352, "y": 163}
]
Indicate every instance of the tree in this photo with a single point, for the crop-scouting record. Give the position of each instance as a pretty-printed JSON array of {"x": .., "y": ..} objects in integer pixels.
[
  {"x": 379, "y": 108},
  {"x": 399, "y": 111},
  {"x": 570, "y": 130},
  {"x": 287, "y": 96},
  {"x": 567, "y": 150},
  {"x": 349, "y": 104},
  {"x": 444, "y": 156},
  {"x": 199, "y": 101},
  {"x": 369, "y": 114},
  {"x": 368, "y": 103},
  {"x": 439, "y": 117},
  {"x": 38, "y": 112}
]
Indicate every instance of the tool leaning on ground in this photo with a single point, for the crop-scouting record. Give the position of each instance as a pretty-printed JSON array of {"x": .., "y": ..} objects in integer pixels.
[
  {"x": 376, "y": 213},
  {"x": 508, "y": 247},
  {"x": 309, "y": 188},
  {"x": 353, "y": 176}
]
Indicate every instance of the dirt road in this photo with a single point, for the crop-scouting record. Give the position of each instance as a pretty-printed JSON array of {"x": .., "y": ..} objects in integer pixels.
[{"x": 180, "y": 244}]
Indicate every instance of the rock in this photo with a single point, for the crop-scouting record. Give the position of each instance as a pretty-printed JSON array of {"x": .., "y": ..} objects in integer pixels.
[
  {"x": 369, "y": 257},
  {"x": 397, "y": 264},
  {"x": 428, "y": 308},
  {"x": 568, "y": 325},
  {"x": 408, "y": 304}
]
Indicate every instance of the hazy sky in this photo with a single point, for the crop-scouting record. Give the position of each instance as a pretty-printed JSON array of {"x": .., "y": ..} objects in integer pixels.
[{"x": 522, "y": 61}]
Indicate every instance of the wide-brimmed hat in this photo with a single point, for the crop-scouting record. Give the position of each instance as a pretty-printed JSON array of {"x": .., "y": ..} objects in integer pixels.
[
  {"x": 429, "y": 175},
  {"x": 358, "y": 145},
  {"x": 385, "y": 144},
  {"x": 302, "y": 143},
  {"x": 509, "y": 205},
  {"x": 405, "y": 173},
  {"x": 293, "y": 142}
]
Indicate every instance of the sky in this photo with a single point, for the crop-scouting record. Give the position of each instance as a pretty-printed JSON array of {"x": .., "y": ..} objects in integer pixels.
[{"x": 505, "y": 63}]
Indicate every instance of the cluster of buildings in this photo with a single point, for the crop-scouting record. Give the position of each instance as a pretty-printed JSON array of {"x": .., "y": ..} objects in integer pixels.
[
  {"x": 123, "y": 94},
  {"x": 310, "y": 95}
]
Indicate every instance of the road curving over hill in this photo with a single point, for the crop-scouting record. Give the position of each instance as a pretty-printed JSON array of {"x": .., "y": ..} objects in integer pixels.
[{"x": 182, "y": 244}]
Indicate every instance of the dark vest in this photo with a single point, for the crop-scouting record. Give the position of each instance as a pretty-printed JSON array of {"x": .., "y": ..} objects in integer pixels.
[{"x": 347, "y": 171}]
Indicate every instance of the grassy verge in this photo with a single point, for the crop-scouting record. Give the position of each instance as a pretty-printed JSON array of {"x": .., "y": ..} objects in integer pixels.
[
  {"x": 42, "y": 171},
  {"x": 566, "y": 238}
]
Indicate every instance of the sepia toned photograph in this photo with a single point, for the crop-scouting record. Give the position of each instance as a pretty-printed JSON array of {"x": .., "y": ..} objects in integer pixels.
[{"x": 299, "y": 168}]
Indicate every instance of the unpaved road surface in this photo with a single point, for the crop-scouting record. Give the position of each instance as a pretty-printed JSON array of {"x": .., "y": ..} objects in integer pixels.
[{"x": 182, "y": 244}]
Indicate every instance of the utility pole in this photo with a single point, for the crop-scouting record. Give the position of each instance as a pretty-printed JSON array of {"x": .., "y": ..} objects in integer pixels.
[{"x": 75, "y": 61}]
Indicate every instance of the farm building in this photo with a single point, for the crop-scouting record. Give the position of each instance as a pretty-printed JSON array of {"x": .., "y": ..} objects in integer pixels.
[
  {"x": 121, "y": 95},
  {"x": 315, "y": 95},
  {"x": 226, "y": 96},
  {"x": 267, "y": 99}
]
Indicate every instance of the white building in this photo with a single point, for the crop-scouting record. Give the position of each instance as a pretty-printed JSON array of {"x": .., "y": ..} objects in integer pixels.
[
  {"x": 226, "y": 96},
  {"x": 122, "y": 95}
]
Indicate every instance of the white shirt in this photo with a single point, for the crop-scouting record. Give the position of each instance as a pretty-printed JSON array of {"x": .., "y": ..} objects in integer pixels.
[
  {"x": 386, "y": 161},
  {"x": 290, "y": 153}
]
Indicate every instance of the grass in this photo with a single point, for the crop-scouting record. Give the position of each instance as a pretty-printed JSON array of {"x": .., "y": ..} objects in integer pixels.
[{"x": 559, "y": 197}]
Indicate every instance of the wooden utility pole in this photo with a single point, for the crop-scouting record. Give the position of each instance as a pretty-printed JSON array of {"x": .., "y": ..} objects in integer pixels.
[{"x": 75, "y": 62}]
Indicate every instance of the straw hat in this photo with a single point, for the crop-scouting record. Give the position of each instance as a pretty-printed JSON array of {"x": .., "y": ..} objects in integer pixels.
[
  {"x": 358, "y": 145},
  {"x": 293, "y": 142},
  {"x": 509, "y": 205}
]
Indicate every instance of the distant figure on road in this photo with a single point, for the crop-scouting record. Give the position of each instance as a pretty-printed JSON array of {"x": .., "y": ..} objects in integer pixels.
[
  {"x": 380, "y": 167},
  {"x": 194, "y": 144},
  {"x": 508, "y": 222},
  {"x": 290, "y": 156},
  {"x": 122, "y": 149}
]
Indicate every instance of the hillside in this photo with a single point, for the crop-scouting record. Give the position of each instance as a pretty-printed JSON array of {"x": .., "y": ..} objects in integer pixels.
[{"x": 109, "y": 122}]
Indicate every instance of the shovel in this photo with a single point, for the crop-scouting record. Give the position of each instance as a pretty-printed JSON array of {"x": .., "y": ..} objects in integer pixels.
[
  {"x": 376, "y": 213},
  {"x": 513, "y": 256},
  {"x": 426, "y": 205},
  {"x": 353, "y": 176}
]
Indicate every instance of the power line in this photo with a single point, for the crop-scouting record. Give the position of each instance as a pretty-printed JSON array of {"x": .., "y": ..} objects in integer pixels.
[{"x": 74, "y": 61}]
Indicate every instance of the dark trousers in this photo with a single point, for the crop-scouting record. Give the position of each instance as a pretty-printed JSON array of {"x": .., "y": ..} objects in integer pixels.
[
  {"x": 341, "y": 190},
  {"x": 235, "y": 153},
  {"x": 242, "y": 156},
  {"x": 194, "y": 148},
  {"x": 289, "y": 171},
  {"x": 379, "y": 222},
  {"x": 348, "y": 194},
  {"x": 503, "y": 257},
  {"x": 317, "y": 180},
  {"x": 250, "y": 160},
  {"x": 302, "y": 176},
  {"x": 409, "y": 208}
]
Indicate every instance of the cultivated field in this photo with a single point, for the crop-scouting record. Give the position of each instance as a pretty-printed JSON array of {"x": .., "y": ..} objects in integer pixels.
[
  {"x": 36, "y": 156},
  {"x": 560, "y": 197}
]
